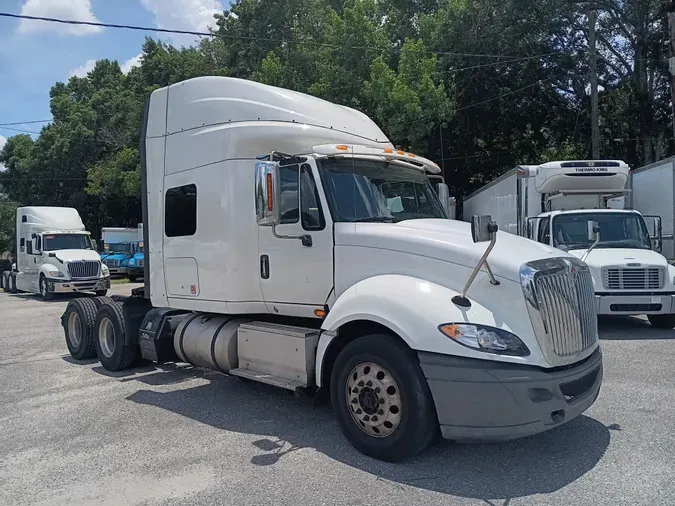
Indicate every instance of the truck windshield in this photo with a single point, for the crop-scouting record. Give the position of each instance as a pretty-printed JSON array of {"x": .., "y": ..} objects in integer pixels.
[
  {"x": 115, "y": 249},
  {"x": 361, "y": 190},
  {"x": 617, "y": 230},
  {"x": 55, "y": 242}
]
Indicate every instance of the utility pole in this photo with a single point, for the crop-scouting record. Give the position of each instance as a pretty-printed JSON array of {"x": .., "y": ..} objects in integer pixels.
[
  {"x": 671, "y": 64},
  {"x": 595, "y": 112}
]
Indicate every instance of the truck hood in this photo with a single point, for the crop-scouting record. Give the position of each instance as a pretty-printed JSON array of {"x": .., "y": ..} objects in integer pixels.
[
  {"x": 445, "y": 240},
  {"x": 603, "y": 257},
  {"x": 73, "y": 255}
]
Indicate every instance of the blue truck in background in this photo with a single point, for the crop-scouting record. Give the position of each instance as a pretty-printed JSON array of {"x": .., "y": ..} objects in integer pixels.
[{"x": 119, "y": 247}]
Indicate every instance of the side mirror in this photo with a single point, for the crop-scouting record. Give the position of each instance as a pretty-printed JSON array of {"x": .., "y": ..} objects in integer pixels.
[
  {"x": 93, "y": 244},
  {"x": 593, "y": 231},
  {"x": 482, "y": 228},
  {"x": 267, "y": 194},
  {"x": 444, "y": 196}
]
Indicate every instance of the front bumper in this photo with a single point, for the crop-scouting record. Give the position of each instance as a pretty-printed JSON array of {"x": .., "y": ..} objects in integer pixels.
[
  {"x": 613, "y": 304},
  {"x": 117, "y": 271},
  {"x": 481, "y": 400},
  {"x": 87, "y": 285}
]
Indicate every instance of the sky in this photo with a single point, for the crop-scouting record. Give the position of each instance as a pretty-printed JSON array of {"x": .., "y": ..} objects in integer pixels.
[{"x": 34, "y": 55}]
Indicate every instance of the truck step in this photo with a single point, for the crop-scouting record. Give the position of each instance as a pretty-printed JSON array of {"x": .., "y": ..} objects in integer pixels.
[{"x": 267, "y": 379}]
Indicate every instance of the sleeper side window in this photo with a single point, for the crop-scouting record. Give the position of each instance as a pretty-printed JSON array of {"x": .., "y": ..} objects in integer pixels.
[{"x": 180, "y": 211}]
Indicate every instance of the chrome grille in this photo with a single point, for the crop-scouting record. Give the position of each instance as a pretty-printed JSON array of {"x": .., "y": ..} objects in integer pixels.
[
  {"x": 627, "y": 278},
  {"x": 561, "y": 302},
  {"x": 83, "y": 269},
  {"x": 112, "y": 263}
]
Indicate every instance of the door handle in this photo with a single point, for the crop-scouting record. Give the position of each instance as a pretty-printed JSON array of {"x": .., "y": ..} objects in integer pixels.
[{"x": 264, "y": 266}]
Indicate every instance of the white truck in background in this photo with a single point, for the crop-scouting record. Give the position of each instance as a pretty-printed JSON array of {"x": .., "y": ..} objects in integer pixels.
[
  {"x": 288, "y": 242},
  {"x": 652, "y": 191},
  {"x": 55, "y": 254},
  {"x": 563, "y": 204}
]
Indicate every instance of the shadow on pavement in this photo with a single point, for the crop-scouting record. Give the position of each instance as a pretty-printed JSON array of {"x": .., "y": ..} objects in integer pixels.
[
  {"x": 535, "y": 465},
  {"x": 628, "y": 328}
]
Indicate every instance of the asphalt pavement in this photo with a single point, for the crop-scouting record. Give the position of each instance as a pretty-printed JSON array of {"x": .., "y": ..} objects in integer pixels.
[{"x": 73, "y": 433}]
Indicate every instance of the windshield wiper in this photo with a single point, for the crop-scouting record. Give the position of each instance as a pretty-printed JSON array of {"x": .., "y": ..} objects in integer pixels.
[{"x": 376, "y": 219}]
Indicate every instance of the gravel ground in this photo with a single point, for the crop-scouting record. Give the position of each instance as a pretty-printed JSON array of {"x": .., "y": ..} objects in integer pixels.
[{"x": 76, "y": 434}]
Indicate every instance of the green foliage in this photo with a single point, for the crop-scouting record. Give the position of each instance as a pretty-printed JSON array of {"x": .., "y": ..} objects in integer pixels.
[{"x": 477, "y": 85}]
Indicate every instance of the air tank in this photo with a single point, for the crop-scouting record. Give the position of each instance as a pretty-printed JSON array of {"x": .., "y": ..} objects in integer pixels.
[{"x": 207, "y": 340}]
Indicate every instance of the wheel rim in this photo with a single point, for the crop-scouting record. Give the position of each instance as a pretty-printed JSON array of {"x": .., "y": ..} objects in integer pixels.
[
  {"x": 106, "y": 337},
  {"x": 373, "y": 399},
  {"x": 74, "y": 329}
]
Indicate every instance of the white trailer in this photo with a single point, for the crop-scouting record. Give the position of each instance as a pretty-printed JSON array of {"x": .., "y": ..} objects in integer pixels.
[
  {"x": 119, "y": 235},
  {"x": 55, "y": 254},
  {"x": 653, "y": 193},
  {"x": 561, "y": 203},
  {"x": 288, "y": 242}
]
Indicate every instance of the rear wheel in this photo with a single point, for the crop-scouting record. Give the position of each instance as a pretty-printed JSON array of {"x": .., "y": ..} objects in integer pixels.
[
  {"x": 79, "y": 322},
  {"x": 12, "y": 283},
  {"x": 44, "y": 289},
  {"x": 111, "y": 349},
  {"x": 381, "y": 399},
  {"x": 662, "y": 321}
]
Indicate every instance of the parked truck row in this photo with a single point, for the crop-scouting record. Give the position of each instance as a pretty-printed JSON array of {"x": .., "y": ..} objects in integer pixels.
[
  {"x": 122, "y": 251},
  {"x": 578, "y": 207},
  {"x": 287, "y": 241}
]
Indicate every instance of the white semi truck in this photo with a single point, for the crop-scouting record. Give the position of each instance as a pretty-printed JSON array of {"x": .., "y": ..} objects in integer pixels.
[
  {"x": 577, "y": 206},
  {"x": 55, "y": 254},
  {"x": 288, "y": 242},
  {"x": 652, "y": 191}
]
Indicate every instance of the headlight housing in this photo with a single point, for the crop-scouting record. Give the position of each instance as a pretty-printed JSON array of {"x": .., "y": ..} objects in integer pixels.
[
  {"x": 105, "y": 270},
  {"x": 56, "y": 274},
  {"x": 486, "y": 339}
]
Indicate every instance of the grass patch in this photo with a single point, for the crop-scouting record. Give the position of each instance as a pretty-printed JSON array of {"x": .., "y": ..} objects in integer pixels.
[{"x": 119, "y": 281}]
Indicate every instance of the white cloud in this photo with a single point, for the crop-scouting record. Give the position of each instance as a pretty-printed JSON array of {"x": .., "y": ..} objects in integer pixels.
[
  {"x": 77, "y": 10},
  {"x": 3, "y": 141},
  {"x": 192, "y": 15},
  {"x": 131, "y": 62},
  {"x": 84, "y": 69}
]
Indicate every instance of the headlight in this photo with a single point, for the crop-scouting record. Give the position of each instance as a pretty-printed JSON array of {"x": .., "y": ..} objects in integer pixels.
[
  {"x": 105, "y": 270},
  {"x": 486, "y": 339},
  {"x": 56, "y": 274}
]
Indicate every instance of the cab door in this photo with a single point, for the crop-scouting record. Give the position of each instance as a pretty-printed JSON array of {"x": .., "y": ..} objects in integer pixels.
[{"x": 296, "y": 256}]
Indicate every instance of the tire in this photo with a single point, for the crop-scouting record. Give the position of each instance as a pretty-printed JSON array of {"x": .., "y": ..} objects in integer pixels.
[
  {"x": 132, "y": 278},
  {"x": 101, "y": 293},
  {"x": 409, "y": 424},
  {"x": 45, "y": 294},
  {"x": 110, "y": 331},
  {"x": 12, "y": 283},
  {"x": 79, "y": 325},
  {"x": 5, "y": 281},
  {"x": 662, "y": 321},
  {"x": 100, "y": 300}
]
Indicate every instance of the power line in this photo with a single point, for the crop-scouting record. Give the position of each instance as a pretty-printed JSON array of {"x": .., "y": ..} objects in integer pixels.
[
  {"x": 18, "y": 130},
  {"x": 242, "y": 37},
  {"x": 32, "y": 122}
]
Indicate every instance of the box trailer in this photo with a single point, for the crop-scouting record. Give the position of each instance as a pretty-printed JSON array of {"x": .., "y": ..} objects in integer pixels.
[
  {"x": 288, "y": 242},
  {"x": 652, "y": 190}
]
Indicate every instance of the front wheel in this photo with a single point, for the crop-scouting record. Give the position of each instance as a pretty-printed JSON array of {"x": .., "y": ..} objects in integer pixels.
[
  {"x": 662, "y": 321},
  {"x": 132, "y": 278},
  {"x": 381, "y": 399},
  {"x": 44, "y": 289}
]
